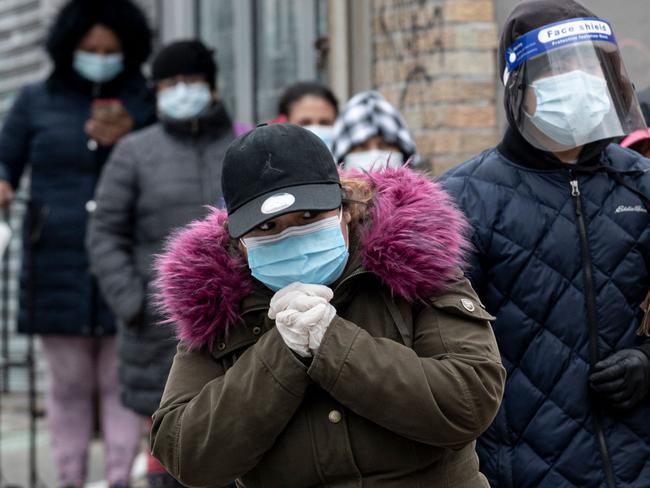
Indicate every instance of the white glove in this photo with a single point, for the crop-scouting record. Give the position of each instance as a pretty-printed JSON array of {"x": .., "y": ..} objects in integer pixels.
[
  {"x": 316, "y": 333},
  {"x": 302, "y": 313}
]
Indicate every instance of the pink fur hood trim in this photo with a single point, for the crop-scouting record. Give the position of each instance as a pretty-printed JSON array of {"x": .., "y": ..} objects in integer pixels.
[{"x": 415, "y": 244}]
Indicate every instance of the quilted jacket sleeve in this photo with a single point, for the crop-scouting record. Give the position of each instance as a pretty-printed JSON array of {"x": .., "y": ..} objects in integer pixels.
[
  {"x": 110, "y": 235},
  {"x": 444, "y": 392},
  {"x": 15, "y": 139},
  {"x": 212, "y": 426}
]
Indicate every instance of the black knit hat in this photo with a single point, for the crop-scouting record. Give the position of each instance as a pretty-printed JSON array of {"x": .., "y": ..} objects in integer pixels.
[
  {"x": 185, "y": 58},
  {"x": 533, "y": 14}
]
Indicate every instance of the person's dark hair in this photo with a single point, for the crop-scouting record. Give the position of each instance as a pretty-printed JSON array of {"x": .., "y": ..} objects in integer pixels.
[
  {"x": 302, "y": 89},
  {"x": 188, "y": 57},
  {"x": 77, "y": 17}
]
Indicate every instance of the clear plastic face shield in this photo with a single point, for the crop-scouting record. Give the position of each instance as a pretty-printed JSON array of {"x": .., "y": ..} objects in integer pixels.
[{"x": 566, "y": 86}]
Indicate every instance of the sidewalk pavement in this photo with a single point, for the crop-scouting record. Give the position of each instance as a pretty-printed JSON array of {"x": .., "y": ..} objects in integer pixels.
[{"x": 14, "y": 449}]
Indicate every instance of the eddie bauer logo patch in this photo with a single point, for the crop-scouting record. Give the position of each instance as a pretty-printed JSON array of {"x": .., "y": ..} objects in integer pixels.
[{"x": 630, "y": 208}]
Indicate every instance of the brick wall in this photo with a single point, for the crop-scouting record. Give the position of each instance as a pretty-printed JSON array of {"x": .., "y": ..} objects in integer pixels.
[{"x": 435, "y": 61}]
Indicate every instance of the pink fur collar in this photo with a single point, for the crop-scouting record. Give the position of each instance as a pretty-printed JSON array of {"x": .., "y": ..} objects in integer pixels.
[{"x": 415, "y": 245}]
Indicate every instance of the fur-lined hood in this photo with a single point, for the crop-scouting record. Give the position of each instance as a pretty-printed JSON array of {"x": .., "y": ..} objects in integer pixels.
[{"x": 414, "y": 243}]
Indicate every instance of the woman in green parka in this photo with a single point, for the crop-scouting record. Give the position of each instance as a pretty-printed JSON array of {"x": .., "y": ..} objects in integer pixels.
[{"x": 327, "y": 335}]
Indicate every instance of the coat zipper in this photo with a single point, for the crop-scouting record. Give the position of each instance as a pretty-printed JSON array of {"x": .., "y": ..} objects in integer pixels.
[{"x": 592, "y": 315}]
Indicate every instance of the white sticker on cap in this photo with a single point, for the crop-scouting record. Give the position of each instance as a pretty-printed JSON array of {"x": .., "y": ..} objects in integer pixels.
[{"x": 277, "y": 203}]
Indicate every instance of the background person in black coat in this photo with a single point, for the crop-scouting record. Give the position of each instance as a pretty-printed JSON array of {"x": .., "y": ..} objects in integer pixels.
[{"x": 64, "y": 128}]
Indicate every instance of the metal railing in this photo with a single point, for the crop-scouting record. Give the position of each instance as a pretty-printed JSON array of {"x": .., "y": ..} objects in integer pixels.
[{"x": 36, "y": 216}]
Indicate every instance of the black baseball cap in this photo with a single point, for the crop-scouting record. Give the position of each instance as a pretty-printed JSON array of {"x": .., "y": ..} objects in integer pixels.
[{"x": 274, "y": 170}]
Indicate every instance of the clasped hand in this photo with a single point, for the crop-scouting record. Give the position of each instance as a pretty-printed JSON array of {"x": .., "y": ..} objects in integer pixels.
[{"x": 302, "y": 314}]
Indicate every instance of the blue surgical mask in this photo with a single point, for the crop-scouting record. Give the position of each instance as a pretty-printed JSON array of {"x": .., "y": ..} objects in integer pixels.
[
  {"x": 98, "y": 68},
  {"x": 324, "y": 132},
  {"x": 184, "y": 100},
  {"x": 373, "y": 160},
  {"x": 314, "y": 254},
  {"x": 570, "y": 106}
]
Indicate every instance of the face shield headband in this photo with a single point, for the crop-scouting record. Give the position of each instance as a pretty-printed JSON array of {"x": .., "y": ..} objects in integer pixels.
[
  {"x": 566, "y": 86},
  {"x": 555, "y": 36}
]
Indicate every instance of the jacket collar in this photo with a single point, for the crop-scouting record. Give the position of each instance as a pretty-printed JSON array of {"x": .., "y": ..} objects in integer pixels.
[
  {"x": 594, "y": 159},
  {"x": 414, "y": 244},
  {"x": 518, "y": 150},
  {"x": 212, "y": 121}
]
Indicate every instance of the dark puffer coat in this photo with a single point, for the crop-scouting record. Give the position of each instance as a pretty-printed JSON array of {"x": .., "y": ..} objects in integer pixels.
[
  {"x": 531, "y": 269},
  {"x": 45, "y": 131}
]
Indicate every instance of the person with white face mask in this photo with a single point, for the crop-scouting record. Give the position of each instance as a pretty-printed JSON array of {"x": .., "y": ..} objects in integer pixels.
[
  {"x": 370, "y": 135},
  {"x": 560, "y": 256},
  {"x": 158, "y": 179},
  {"x": 184, "y": 73}
]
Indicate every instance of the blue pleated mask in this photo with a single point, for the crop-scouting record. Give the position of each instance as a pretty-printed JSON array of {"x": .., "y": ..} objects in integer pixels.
[{"x": 314, "y": 254}]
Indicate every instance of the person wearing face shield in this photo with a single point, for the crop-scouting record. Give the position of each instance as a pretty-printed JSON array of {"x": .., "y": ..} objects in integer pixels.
[
  {"x": 561, "y": 236},
  {"x": 156, "y": 180},
  {"x": 370, "y": 135},
  {"x": 328, "y": 337}
]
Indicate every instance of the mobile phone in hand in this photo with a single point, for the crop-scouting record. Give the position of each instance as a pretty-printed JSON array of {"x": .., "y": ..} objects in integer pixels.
[{"x": 102, "y": 107}]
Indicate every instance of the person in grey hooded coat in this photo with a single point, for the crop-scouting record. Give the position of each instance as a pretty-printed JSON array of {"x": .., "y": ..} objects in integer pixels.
[{"x": 156, "y": 180}]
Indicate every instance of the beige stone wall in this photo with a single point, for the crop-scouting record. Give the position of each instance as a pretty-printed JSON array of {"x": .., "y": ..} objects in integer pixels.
[{"x": 435, "y": 61}]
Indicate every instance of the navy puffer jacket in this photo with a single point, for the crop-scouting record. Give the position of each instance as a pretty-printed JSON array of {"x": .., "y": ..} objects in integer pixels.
[
  {"x": 44, "y": 130},
  {"x": 529, "y": 268}
]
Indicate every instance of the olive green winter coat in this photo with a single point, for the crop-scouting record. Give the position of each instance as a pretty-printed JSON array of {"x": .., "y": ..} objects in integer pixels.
[{"x": 395, "y": 396}]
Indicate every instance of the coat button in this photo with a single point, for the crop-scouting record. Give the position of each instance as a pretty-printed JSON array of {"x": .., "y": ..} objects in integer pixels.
[
  {"x": 467, "y": 304},
  {"x": 91, "y": 206},
  {"x": 335, "y": 416},
  {"x": 221, "y": 346},
  {"x": 257, "y": 330},
  {"x": 92, "y": 145}
]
